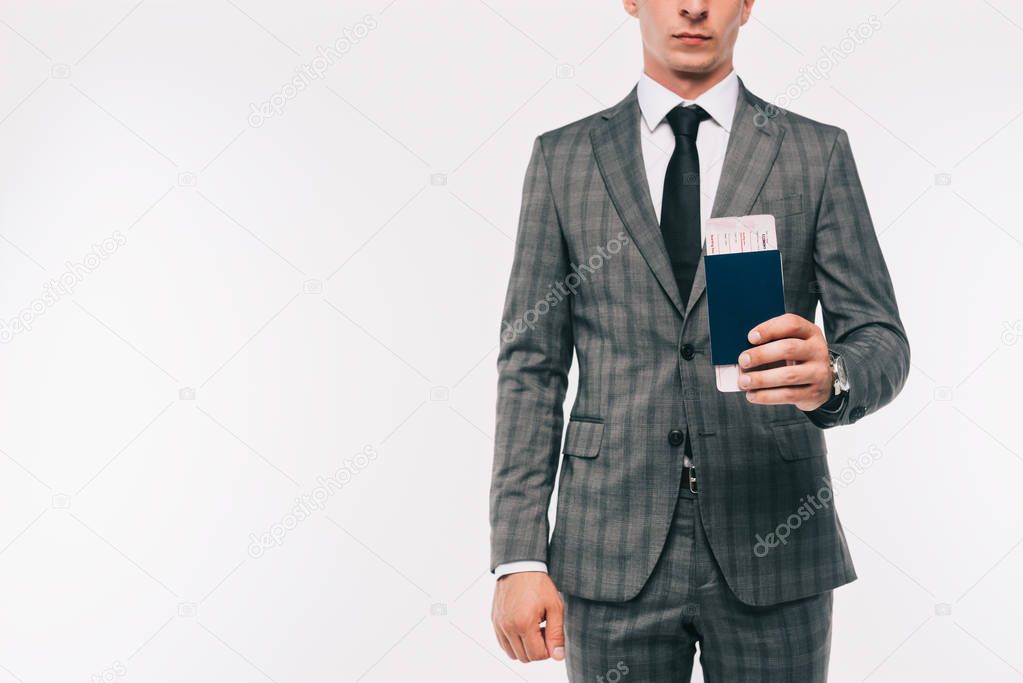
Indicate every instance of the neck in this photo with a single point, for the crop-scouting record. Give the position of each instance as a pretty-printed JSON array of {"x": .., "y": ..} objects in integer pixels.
[{"x": 687, "y": 85}]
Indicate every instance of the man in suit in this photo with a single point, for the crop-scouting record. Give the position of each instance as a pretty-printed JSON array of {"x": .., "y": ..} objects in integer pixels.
[{"x": 685, "y": 515}]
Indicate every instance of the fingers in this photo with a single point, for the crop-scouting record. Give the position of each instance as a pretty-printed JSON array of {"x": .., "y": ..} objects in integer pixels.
[
  {"x": 521, "y": 640},
  {"x": 554, "y": 634},
  {"x": 518, "y": 648},
  {"x": 779, "y": 396},
  {"x": 536, "y": 650},
  {"x": 779, "y": 327},
  {"x": 790, "y": 348},
  {"x": 509, "y": 640},
  {"x": 786, "y": 376},
  {"x": 502, "y": 640}
]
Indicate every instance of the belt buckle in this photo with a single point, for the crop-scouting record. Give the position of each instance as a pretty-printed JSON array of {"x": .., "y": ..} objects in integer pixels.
[{"x": 691, "y": 474}]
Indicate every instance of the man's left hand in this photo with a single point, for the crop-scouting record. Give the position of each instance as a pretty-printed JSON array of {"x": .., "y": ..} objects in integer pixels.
[{"x": 805, "y": 380}]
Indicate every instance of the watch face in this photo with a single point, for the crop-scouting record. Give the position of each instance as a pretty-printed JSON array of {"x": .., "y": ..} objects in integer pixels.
[{"x": 842, "y": 379}]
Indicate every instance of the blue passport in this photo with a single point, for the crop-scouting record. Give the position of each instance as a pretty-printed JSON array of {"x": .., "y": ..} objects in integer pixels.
[{"x": 743, "y": 290}]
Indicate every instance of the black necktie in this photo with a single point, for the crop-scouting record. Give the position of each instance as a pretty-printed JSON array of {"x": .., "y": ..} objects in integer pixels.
[{"x": 680, "y": 206}]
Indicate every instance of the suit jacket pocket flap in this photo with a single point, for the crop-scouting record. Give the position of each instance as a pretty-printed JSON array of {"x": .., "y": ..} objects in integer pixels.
[
  {"x": 799, "y": 439},
  {"x": 583, "y": 438},
  {"x": 784, "y": 206}
]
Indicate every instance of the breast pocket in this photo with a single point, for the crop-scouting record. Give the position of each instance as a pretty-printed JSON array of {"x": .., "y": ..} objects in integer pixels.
[{"x": 781, "y": 207}]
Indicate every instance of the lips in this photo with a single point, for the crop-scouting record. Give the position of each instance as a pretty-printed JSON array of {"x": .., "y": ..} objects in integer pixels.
[{"x": 692, "y": 39}]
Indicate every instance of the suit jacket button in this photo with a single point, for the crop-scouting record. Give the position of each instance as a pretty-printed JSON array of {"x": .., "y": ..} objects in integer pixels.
[
  {"x": 688, "y": 352},
  {"x": 676, "y": 437}
]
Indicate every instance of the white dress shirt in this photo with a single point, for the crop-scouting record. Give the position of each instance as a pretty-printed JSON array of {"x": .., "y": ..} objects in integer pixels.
[{"x": 658, "y": 142}]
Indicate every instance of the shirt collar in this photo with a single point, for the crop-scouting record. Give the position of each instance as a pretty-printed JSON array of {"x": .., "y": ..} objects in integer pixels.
[{"x": 655, "y": 101}]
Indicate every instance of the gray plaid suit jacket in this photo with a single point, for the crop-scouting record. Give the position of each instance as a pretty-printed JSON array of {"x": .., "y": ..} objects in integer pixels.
[{"x": 591, "y": 275}]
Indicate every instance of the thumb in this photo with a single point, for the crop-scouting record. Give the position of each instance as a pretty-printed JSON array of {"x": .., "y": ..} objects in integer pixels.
[{"x": 554, "y": 633}]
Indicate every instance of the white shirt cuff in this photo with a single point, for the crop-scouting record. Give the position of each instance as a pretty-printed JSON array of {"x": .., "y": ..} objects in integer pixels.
[{"x": 520, "y": 566}]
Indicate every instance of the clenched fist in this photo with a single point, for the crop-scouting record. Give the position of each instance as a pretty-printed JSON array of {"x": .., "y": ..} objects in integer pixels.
[{"x": 522, "y": 601}]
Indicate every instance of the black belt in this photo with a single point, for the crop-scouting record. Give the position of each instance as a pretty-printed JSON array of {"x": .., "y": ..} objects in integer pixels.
[{"x": 689, "y": 473}]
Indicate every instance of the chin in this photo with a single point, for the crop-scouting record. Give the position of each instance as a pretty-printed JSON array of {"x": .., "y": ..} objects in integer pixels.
[{"x": 692, "y": 64}]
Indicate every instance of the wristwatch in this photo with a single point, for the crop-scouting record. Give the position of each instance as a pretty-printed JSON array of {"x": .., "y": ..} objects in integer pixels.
[
  {"x": 839, "y": 387},
  {"x": 841, "y": 378}
]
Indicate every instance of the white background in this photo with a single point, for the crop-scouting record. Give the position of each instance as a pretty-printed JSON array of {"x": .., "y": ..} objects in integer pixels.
[{"x": 330, "y": 282}]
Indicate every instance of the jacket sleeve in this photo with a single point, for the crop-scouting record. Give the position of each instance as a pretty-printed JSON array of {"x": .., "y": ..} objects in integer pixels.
[
  {"x": 533, "y": 363},
  {"x": 861, "y": 316}
]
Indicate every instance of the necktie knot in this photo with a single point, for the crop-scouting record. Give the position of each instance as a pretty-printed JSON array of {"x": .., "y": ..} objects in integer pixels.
[{"x": 685, "y": 120}]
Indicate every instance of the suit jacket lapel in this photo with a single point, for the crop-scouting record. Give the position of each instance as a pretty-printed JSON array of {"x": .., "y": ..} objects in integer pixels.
[
  {"x": 752, "y": 147},
  {"x": 619, "y": 155}
]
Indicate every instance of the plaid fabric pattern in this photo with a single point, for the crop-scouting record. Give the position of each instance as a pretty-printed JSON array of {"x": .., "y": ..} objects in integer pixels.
[
  {"x": 591, "y": 276},
  {"x": 653, "y": 637}
]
